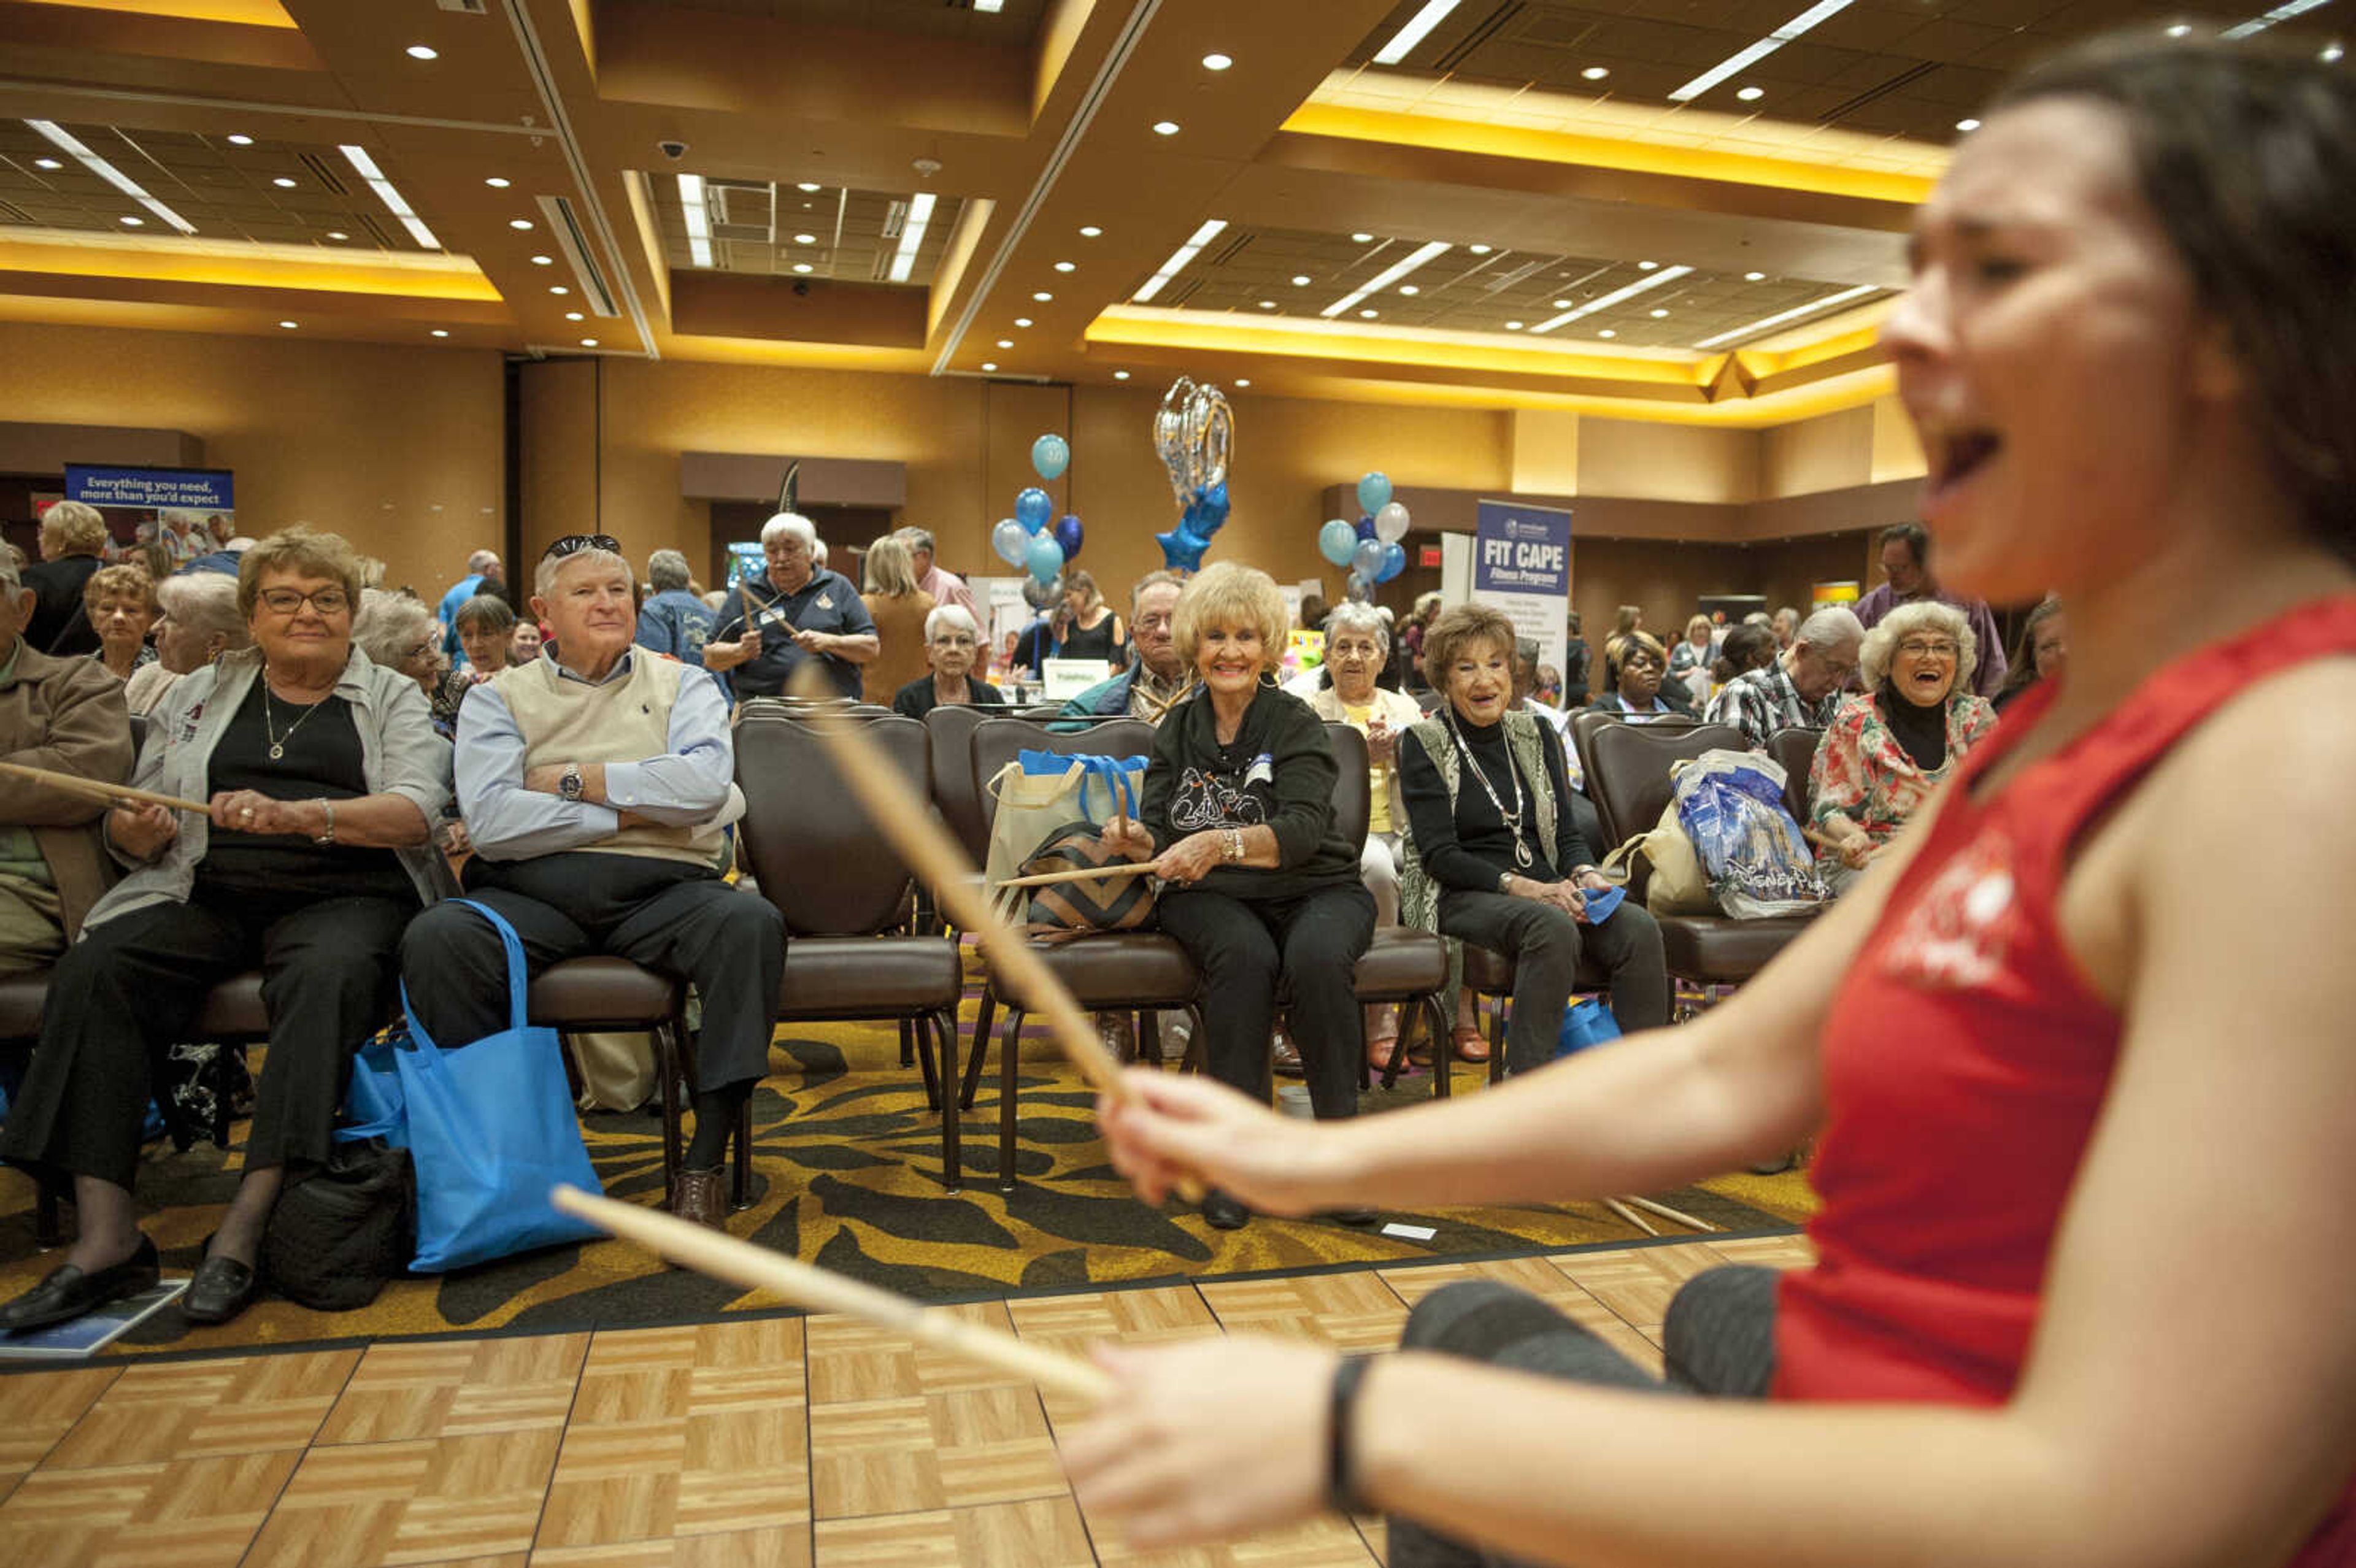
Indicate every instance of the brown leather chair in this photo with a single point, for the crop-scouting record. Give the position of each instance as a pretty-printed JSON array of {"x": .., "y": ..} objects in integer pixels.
[
  {"x": 819, "y": 856},
  {"x": 1585, "y": 725},
  {"x": 1144, "y": 973},
  {"x": 1630, "y": 784},
  {"x": 1402, "y": 965},
  {"x": 1795, "y": 749},
  {"x": 956, "y": 793}
]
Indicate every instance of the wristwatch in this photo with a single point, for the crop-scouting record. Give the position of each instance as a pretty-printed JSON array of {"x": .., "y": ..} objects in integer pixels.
[{"x": 570, "y": 786}]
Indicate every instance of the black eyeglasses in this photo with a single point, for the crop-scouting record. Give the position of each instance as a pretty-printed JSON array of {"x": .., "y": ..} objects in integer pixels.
[{"x": 574, "y": 544}]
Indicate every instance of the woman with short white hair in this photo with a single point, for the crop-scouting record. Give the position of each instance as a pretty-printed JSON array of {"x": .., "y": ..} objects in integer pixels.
[
  {"x": 952, "y": 646},
  {"x": 1886, "y": 751}
]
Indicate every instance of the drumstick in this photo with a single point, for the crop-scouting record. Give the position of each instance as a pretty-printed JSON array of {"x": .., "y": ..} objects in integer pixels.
[
  {"x": 1085, "y": 874},
  {"x": 724, "y": 1257},
  {"x": 101, "y": 790}
]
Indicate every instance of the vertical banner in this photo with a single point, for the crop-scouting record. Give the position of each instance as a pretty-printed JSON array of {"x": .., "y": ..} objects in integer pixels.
[{"x": 1521, "y": 565}]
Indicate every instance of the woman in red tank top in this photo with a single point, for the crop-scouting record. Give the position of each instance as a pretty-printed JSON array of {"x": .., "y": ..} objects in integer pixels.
[{"x": 2084, "y": 1078}]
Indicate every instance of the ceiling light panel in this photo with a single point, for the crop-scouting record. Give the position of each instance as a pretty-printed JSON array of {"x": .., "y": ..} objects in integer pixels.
[
  {"x": 1751, "y": 54},
  {"x": 393, "y": 200},
  {"x": 1787, "y": 317},
  {"x": 779, "y": 229},
  {"x": 695, "y": 212},
  {"x": 1388, "y": 275},
  {"x": 59, "y": 136},
  {"x": 1178, "y": 259},
  {"x": 1417, "y": 29},
  {"x": 1603, "y": 303}
]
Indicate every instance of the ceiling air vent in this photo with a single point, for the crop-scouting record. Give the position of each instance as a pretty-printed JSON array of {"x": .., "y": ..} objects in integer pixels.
[
  {"x": 469, "y": 7},
  {"x": 324, "y": 173},
  {"x": 597, "y": 295}
]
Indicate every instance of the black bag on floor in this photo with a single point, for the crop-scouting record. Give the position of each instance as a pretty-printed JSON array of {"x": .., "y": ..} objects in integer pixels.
[{"x": 340, "y": 1232}]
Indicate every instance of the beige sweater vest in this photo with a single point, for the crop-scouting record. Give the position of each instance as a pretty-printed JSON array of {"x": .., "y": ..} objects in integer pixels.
[{"x": 624, "y": 720}]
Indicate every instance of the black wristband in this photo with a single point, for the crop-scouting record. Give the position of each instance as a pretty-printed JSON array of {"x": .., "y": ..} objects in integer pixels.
[{"x": 1341, "y": 1477}]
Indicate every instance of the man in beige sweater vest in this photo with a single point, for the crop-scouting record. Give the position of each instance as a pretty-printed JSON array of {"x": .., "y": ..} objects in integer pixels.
[{"x": 597, "y": 785}]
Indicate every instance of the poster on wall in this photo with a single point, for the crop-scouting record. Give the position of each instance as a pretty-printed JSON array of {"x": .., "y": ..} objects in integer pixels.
[
  {"x": 188, "y": 512},
  {"x": 1521, "y": 565}
]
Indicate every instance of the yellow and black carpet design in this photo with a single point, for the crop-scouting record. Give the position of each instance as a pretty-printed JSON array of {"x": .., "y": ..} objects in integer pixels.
[{"x": 847, "y": 1174}]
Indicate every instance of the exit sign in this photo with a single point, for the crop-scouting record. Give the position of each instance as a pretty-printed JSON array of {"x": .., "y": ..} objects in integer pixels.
[{"x": 1426, "y": 555}]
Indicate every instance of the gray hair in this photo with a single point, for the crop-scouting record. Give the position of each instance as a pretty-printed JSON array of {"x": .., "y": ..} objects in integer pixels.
[
  {"x": 480, "y": 560},
  {"x": 205, "y": 602},
  {"x": 544, "y": 579},
  {"x": 484, "y": 611},
  {"x": 390, "y": 625},
  {"x": 668, "y": 570},
  {"x": 950, "y": 616},
  {"x": 1348, "y": 617},
  {"x": 792, "y": 523},
  {"x": 917, "y": 538},
  {"x": 1829, "y": 627},
  {"x": 1923, "y": 616}
]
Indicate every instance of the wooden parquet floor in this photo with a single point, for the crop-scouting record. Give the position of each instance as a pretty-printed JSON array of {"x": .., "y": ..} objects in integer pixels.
[{"x": 777, "y": 1443}]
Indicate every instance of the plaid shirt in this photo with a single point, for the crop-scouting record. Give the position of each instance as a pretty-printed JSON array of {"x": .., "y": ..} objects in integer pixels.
[{"x": 1763, "y": 701}]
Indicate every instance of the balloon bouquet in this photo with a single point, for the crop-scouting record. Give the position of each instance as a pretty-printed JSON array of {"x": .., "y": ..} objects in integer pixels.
[
  {"x": 1025, "y": 540},
  {"x": 1192, "y": 432},
  {"x": 1370, "y": 548}
]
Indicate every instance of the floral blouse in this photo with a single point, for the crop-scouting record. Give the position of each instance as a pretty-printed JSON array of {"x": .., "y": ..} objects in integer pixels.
[{"x": 1863, "y": 774}]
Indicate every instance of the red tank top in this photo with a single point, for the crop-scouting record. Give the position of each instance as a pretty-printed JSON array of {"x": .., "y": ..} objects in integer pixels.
[{"x": 1965, "y": 1061}]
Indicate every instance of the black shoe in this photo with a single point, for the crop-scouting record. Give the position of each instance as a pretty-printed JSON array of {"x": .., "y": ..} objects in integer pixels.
[
  {"x": 66, "y": 1293},
  {"x": 1224, "y": 1211},
  {"x": 222, "y": 1288},
  {"x": 1352, "y": 1216}
]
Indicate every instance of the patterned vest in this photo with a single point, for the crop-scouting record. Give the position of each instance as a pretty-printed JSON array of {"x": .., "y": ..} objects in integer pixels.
[{"x": 1419, "y": 894}]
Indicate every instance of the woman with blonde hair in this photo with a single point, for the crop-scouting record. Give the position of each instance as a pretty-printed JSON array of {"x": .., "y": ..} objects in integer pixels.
[
  {"x": 120, "y": 603},
  {"x": 1626, "y": 624},
  {"x": 1092, "y": 631},
  {"x": 1692, "y": 651},
  {"x": 898, "y": 608},
  {"x": 73, "y": 545}
]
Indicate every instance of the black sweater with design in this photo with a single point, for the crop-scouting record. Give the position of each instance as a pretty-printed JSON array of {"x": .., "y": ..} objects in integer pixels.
[{"x": 1279, "y": 772}]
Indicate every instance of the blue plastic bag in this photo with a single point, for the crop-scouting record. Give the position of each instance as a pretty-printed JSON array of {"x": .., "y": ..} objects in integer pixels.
[
  {"x": 1584, "y": 1023},
  {"x": 490, "y": 1128},
  {"x": 1730, "y": 804}
]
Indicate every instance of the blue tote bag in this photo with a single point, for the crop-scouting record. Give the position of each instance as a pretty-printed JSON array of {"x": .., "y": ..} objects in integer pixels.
[
  {"x": 490, "y": 1128},
  {"x": 1585, "y": 1023}
]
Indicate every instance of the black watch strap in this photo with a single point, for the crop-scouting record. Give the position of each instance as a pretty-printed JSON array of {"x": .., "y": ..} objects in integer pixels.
[{"x": 1340, "y": 1472}]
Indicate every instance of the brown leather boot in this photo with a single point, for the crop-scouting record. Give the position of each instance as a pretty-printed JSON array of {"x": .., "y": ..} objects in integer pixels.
[{"x": 701, "y": 1197}]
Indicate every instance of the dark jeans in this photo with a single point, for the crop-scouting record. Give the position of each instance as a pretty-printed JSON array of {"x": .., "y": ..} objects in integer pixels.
[
  {"x": 664, "y": 914},
  {"x": 1721, "y": 1338},
  {"x": 132, "y": 986},
  {"x": 1545, "y": 945},
  {"x": 1310, "y": 945}
]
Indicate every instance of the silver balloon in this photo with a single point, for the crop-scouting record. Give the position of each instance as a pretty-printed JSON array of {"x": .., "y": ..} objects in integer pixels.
[{"x": 1192, "y": 432}]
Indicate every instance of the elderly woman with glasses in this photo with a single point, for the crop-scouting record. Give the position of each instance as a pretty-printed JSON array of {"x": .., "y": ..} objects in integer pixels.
[
  {"x": 1887, "y": 750},
  {"x": 952, "y": 644},
  {"x": 323, "y": 771}
]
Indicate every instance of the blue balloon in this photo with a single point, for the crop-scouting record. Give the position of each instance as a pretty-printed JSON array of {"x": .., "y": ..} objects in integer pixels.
[
  {"x": 1033, "y": 508},
  {"x": 1366, "y": 528},
  {"x": 1010, "y": 541},
  {"x": 1366, "y": 560},
  {"x": 1336, "y": 541},
  {"x": 1375, "y": 491},
  {"x": 1206, "y": 513},
  {"x": 1043, "y": 559},
  {"x": 1050, "y": 454},
  {"x": 1181, "y": 551},
  {"x": 1068, "y": 536},
  {"x": 1394, "y": 563}
]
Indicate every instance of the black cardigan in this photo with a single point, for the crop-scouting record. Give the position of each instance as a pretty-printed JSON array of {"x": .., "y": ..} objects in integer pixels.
[{"x": 1278, "y": 774}]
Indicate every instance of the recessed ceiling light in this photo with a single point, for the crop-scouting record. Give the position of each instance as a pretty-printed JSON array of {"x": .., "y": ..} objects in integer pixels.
[
  {"x": 240, "y": 139},
  {"x": 1089, "y": 231},
  {"x": 573, "y": 315},
  {"x": 1751, "y": 94},
  {"x": 498, "y": 182},
  {"x": 805, "y": 238},
  {"x": 1120, "y": 375},
  {"x": 519, "y": 222},
  {"x": 1512, "y": 327},
  {"x": 1643, "y": 285},
  {"x": 47, "y": 164},
  {"x": 1360, "y": 239},
  {"x": 337, "y": 234},
  {"x": 1006, "y": 343},
  {"x": 1478, "y": 250},
  {"x": 1596, "y": 72},
  {"x": 283, "y": 183},
  {"x": 1754, "y": 277},
  {"x": 1301, "y": 280},
  {"x": 290, "y": 326},
  {"x": 1367, "y": 315},
  {"x": 1647, "y": 266},
  {"x": 1066, "y": 267},
  {"x": 1657, "y": 315},
  {"x": 918, "y": 218},
  {"x": 989, "y": 364},
  {"x": 1165, "y": 127},
  {"x": 1968, "y": 125},
  {"x": 1243, "y": 380},
  {"x": 807, "y": 186},
  {"x": 1607, "y": 332},
  {"x": 543, "y": 261},
  {"x": 1217, "y": 62},
  {"x": 1268, "y": 304},
  {"x": 65, "y": 142},
  {"x": 2330, "y": 55},
  {"x": 1021, "y": 321},
  {"x": 1751, "y": 54},
  {"x": 440, "y": 331},
  {"x": 424, "y": 52},
  {"x": 134, "y": 222},
  {"x": 558, "y": 289},
  {"x": 1409, "y": 289},
  {"x": 1562, "y": 304},
  {"x": 588, "y": 343},
  {"x": 801, "y": 267},
  {"x": 1043, "y": 296},
  {"x": 2179, "y": 30}
]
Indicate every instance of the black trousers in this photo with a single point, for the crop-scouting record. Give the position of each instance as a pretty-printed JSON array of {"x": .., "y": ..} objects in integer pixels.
[
  {"x": 667, "y": 915},
  {"x": 1545, "y": 945},
  {"x": 1719, "y": 1342},
  {"x": 132, "y": 986},
  {"x": 1311, "y": 946}
]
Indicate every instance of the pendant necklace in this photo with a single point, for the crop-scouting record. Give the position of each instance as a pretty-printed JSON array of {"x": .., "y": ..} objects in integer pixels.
[
  {"x": 270, "y": 722},
  {"x": 1512, "y": 819}
]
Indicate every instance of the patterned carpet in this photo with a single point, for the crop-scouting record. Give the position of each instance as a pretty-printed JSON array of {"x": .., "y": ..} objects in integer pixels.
[{"x": 847, "y": 1175}]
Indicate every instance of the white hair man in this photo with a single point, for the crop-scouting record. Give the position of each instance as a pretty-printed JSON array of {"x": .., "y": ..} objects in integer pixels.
[
  {"x": 1800, "y": 688},
  {"x": 794, "y": 613},
  {"x": 596, "y": 786},
  {"x": 945, "y": 587}
]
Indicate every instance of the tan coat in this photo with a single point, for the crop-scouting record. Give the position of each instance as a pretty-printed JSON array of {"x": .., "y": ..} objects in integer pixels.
[{"x": 66, "y": 715}]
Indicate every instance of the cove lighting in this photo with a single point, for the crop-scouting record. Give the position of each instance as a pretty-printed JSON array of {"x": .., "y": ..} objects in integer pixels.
[
  {"x": 1419, "y": 27},
  {"x": 1388, "y": 276},
  {"x": 693, "y": 204},
  {"x": 1794, "y": 314},
  {"x": 1178, "y": 260},
  {"x": 1617, "y": 296},
  {"x": 394, "y": 202},
  {"x": 65, "y": 141},
  {"x": 912, "y": 234},
  {"x": 1750, "y": 55}
]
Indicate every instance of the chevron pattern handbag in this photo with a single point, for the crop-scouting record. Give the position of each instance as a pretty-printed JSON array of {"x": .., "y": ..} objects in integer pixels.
[{"x": 1066, "y": 909}]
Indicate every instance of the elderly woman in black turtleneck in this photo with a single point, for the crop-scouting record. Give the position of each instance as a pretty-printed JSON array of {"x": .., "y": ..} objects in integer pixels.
[{"x": 1498, "y": 859}]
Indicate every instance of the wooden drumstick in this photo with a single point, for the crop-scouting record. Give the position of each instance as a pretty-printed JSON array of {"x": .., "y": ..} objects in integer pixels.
[
  {"x": 724, "y": 1257},
  {"x": 1085, "y": 874},
  {"x": 98, "y": 789}
]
